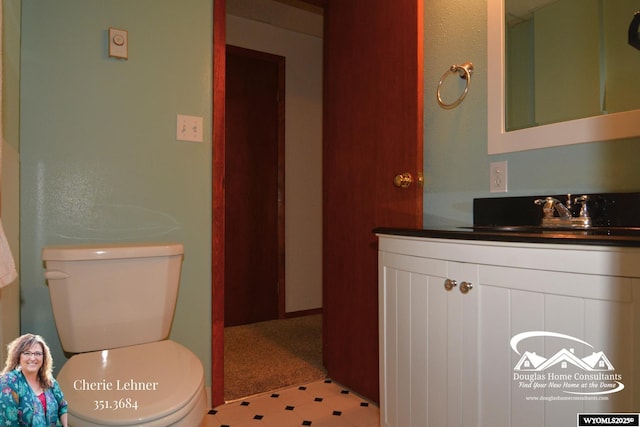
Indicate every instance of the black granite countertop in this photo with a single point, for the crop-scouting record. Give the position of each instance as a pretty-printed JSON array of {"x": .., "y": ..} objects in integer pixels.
[
  {"x": 599, "y": 237},
  {"x": 615, "y": 218}
]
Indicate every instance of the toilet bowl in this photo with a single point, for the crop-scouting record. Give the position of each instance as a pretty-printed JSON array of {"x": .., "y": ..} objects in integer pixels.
[
  {"x": 157, "y": 384},
  {"x": 113, "y": 307}
]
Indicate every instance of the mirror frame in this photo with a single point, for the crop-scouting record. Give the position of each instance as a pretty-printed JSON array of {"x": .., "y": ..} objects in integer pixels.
[{"x": 598, "y": 128}]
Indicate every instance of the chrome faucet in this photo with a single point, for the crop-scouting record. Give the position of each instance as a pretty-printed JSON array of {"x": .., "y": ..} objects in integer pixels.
[
  {"x": 551, "y": 205},
  {"x": 565, "y": 218}
]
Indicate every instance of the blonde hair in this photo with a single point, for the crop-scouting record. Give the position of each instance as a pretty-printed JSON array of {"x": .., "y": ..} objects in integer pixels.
[{"x": 20, "y": 345}]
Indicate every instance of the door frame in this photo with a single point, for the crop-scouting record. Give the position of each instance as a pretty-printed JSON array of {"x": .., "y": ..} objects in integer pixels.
[
  {"x": 218, "y": 173},
  {"x": 280, "y": 62},
  {"x": 218, "y": 206}
]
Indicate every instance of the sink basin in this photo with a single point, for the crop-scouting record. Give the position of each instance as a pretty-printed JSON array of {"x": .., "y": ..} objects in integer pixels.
[
  {"x": 507, "y": 228},
  {"x": 593, "y": 231},
  {"x": 611, "y": 214}
]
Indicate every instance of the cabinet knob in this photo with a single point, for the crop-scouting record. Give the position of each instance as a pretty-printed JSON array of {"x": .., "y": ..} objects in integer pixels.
[
  {"x": 450, "y": 284},
  {"x": 465, "y": 287}
]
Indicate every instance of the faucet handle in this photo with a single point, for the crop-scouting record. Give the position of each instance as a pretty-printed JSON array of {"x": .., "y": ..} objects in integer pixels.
[
  {"x": 548, "y": 208},
  {"x": 551, "y": 205},
  {"x": 584, "y": 210},
  {"x": 544, "y": 201},
  {"x": 583, "y": 220}
]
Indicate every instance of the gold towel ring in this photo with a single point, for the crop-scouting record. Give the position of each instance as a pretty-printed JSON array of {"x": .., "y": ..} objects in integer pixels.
[{"x": 465, "y": 70}]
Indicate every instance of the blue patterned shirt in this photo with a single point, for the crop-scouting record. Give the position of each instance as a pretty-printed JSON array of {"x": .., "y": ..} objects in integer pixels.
[{"x": 19, "y": 405}]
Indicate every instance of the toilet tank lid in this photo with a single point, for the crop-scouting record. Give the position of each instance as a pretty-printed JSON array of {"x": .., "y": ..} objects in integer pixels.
[{"x": 110, "y": 251}]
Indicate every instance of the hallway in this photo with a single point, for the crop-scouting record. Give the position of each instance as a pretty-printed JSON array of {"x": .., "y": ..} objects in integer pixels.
[{"x": 271, "y": 355}]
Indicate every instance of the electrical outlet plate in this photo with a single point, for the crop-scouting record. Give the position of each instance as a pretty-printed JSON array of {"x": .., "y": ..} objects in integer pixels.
[
  {"x": 498, "y": 177},
  {"x": 189, "y": 128}
]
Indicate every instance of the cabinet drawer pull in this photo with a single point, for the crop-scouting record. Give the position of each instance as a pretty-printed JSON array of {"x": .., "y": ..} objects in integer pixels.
[
  {"x": 450, "y": 284},
  {"x": 465, "y": 287}
]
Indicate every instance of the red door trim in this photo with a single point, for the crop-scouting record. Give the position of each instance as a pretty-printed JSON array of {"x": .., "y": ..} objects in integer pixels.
[{"x": 218, "y": 224}]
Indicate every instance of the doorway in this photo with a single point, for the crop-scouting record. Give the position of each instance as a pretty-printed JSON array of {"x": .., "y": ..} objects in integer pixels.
[
  {"x": 303, "y": 175},
  {"x": 370, "y": 105},
  {"x": 254, "y": 185}
]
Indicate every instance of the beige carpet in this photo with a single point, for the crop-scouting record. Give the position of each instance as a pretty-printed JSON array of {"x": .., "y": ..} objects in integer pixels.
[{"x": 266, "y": 356}]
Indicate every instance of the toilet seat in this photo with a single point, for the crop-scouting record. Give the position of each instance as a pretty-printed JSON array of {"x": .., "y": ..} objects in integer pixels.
[{"x": 154, "y": 384}]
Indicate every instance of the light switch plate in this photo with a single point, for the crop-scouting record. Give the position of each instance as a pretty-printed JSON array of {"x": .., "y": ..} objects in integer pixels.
[
  {"x": 189, "y": 128},
  {"x": 118, "y": 43}
]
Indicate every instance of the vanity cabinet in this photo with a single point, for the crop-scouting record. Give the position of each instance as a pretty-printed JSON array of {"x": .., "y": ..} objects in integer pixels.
[{"x": 542, "y": 333}]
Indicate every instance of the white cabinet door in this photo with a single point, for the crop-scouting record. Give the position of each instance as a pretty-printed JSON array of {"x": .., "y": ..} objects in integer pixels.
[
  {"x": 518, "y": 350},
  {"x": 566, "y": 316},
  {"x": 428, "y": 343}
]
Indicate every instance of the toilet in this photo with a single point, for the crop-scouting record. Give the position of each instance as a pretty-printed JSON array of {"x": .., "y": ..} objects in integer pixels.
[{"x": 113, "y": 307}]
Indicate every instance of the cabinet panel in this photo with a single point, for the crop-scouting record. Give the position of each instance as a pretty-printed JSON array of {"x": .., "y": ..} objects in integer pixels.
[
  {"x": 438, "y": 365},
  {"x": 602, "y": 317},
  {"x": 525, "y": 312},
  {"x": 457, "y": 360},
  {"x": 388, "y": 344},
  {"x": 406, "y": 298},
  {"x": 419, "y": 349},
  {"x": 508, "y": 312},
  {"x": 466, "y": 331},
  {"x": 428, "y": 344},
  {"x": 494, "y": 334}
]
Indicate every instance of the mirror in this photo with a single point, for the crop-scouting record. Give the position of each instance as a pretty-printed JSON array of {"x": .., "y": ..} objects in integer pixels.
[
  {"x": 539, "y": 128},
  {"x": 556, "y": 70}
]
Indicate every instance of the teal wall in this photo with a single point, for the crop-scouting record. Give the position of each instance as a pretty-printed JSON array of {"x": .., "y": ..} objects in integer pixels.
[
  {"x": 622, "y": 87},
  {"x": 9, "y": 176},
  {"x": 560, "y": 93},
  {"x": 455, "y": 155},
  {"x": 519, "y": 63},
  {"x": 11, "y": 73},
  {"x": 100, "y": 160}
]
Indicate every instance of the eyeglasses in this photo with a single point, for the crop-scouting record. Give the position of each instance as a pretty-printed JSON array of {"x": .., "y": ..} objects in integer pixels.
[{"x": 32, "y": 353}]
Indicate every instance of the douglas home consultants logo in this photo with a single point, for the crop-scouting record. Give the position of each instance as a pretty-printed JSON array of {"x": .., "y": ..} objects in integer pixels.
[{"x": 564, "y": 371}]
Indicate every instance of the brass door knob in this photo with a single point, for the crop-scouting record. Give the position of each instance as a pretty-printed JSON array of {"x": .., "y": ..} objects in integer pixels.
[
  {"x": 403, "y": 180},
  {"x": 450, "y": 284},
  {"x": 465, "y": 287}
]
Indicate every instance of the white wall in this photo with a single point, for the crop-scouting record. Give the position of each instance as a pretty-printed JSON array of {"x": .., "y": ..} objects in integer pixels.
[{"x": 303, "y": 153}]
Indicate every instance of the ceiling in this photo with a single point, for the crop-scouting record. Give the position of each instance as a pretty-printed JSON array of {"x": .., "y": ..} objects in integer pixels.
[
  {"x": 293, "y": 15},
  {"x": 305, "y": 16},
  {"x": 522, "y": 10},
  {"x": 303, "y": 4}
]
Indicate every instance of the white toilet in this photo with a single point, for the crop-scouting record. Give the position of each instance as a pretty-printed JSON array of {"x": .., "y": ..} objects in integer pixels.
[{"x": 113, "y": 306}]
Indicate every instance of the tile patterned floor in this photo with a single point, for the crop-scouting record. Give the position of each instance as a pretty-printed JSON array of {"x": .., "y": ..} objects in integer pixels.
[{"x": 318, "y": 404}]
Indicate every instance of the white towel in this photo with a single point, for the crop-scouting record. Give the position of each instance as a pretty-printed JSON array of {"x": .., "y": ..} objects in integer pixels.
[{"x": 7, "y": 267}]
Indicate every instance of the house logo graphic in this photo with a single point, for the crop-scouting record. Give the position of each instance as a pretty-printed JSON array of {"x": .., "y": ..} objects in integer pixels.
[
  {"x": 595, "y": 362},
  {"x": 564, "y": 371}
]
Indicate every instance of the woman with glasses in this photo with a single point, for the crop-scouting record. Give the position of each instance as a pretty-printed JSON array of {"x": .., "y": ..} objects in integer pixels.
[{"x": 29, "y": 395}]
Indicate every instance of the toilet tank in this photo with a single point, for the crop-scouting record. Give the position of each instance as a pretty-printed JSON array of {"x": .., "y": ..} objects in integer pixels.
[{"x": 109, "y": 296}]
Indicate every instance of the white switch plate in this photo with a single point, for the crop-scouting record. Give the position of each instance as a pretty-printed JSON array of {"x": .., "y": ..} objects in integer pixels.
[
  {"x": 189, "y": 128},
  {"x": 498, "y": 177},
  {"x": 118, "y": 43}
]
